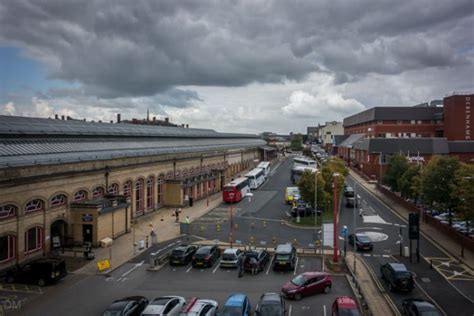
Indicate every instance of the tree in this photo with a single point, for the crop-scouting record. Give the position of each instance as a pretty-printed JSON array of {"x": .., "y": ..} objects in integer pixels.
[
  {"x": 296, "y": 143},
  {"x": 438, "y": 182},
  {"x": 409, "y": 182},
  {"x": 463, "y": 189},
  {"x": 306, "y": 184},
  {"x": 397, "y": 165}
]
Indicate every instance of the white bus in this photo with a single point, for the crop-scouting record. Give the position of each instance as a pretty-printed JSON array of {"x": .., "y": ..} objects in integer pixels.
[
  {"x": 265, "y": 166},
  {"x": 256, "y": 177},
  {"x": 305, "y": 162}
]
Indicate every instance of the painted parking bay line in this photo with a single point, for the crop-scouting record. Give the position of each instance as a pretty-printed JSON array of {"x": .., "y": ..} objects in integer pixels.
[{"x": 22, "y": 288}]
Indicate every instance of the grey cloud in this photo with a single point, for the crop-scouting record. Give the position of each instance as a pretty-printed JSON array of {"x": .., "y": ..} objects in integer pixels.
[{"x": 147, "y": 48}]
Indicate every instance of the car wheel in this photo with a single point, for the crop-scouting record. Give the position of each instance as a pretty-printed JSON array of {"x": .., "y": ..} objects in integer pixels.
[
  {"x": 41, "y": 282},
  {"x": 10, "y": 279},
  {"x": 298, "y": 296},
  {"x": 327, "y": 289}
]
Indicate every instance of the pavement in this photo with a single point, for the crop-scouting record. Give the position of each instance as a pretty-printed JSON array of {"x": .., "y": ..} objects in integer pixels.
[{"x": 449, "y": 246}]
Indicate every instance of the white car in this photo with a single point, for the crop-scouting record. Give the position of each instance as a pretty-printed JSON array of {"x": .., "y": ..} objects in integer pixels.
[
  {"x": 165, "y": 305},
  {"x": 200, "y": 307},
  {"x": 230, "y": 258}
]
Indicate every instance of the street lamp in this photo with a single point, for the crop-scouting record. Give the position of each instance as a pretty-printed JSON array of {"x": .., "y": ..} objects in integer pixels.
[
  {"x": 231, "y": 232},
  {"x": 334, "y": 188}
]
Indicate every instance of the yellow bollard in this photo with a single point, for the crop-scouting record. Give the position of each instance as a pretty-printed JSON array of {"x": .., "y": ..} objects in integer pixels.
[
  {"x": 252, "y": 240},
  {"x": 236, "y": 226},
  {"x": 295, "y": 242},
  {"x": 274, "y": 241},
  {"x": 201, "y": 228},
  {"x": 218, "y": 227},
  {"x": 264, "y": 223}
]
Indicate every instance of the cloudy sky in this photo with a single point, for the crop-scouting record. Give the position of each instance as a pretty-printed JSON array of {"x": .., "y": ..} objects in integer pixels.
[{"x": 244, "y": 66}]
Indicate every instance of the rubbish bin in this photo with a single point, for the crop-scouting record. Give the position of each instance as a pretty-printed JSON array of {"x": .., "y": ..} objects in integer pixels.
[
  {"x": 191, "y": 201},
  {"x": 141, "y": 244}
]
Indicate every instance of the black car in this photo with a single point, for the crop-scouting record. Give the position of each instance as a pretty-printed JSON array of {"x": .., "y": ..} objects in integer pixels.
[
  {"x": 270, "y": 304},
  {"x": 419, "y": 307},
  {"x": 351, "y": 202},
  {"x": 348, "y": 191},
  {"x": 206, "y": 256},
  {"x": 285, "y": 257},
  {"x": 302, "y": 209},
  {"x": 362, "y": 241},
  {"x": 182, "y": 254},
  {"x": 397, "y": 276},
  {"x": 40, "y": 271},
  {"x": 128, "y": 306},
  {"x": 260, "y": 255}
]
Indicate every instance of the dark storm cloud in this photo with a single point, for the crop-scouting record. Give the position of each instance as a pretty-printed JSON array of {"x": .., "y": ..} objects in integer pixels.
[{"x": 142, "y": 48}]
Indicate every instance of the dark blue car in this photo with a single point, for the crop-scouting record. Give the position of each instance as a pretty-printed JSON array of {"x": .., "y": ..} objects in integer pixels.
[{"x": 237, "y": 304}]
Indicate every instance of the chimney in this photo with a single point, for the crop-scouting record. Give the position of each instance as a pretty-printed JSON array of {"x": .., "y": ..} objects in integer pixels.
[
  {"x": 118, "y": 118},
  {"x": 187, "y": 125},
  {"x": 111, "y": 122},
  {"x": 167, "y": 119},
  {"x": 68, "y": 118},
  {"x": 154, "y": 118},
  {"x": 56, "y": 117},
  {"x": 182, "y": 125},
  {"x": 100, "y": 121},
  {"x": 62, "y": 117},
  {"x": 84, "y": 120}
]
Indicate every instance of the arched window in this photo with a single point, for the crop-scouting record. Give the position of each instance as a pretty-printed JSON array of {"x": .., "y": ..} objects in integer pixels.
[
  {"x": 185, "y": 172},
  {"x": 139, "y": 205},
  {"x": 113, "y": 189},
  {"x": 7, "y": 248},
  {"x": 169, "y": 175},
  {"x": 149, "y": 192},
  {"x": 58, "y": 200},
  {"x": 127, "y": 189},
  {"x": 97, "y": 192},
  {"x": 35, "y": 205},
  {"x": 33, "y": 239},
  {"x": 80, "y": 195},
  {"x": 8, "y": 210},
  {"x": 160, "y": 182}
]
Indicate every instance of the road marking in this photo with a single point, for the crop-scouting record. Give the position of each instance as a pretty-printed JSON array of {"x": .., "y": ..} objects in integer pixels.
[
  {"x": 270, "y": 265},
  {"x": 189, "y": 269},
  {"x": 215, "y": 269},
  {"x": 386, "y": 256},
  {"x": 131, "y": 270},
  {"x": 296, "y": 265},
  {"x": 289, "y": 310},
  {"x": 324, "y": 310}
]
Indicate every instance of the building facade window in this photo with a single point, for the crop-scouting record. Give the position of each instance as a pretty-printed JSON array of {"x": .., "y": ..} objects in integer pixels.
[
  {"x": 35, "y": 205},
  {"x": 7, "y": 248},
  {"x": 80, "y": 195},
  {"x": 160, "y": 182},
  {"x": 98, "y": 192},
  {"x": 113, "y": 189},
  {"x": 139, "y": 205},
  {"x": 8, "y": 210},
  {"x": 412, "y": 122},
  {"x": 149, "y": 192},
  {"x": 127, "y": 189},
  {"x": 58, "y": 200},
  {"x": 33, "y": 239}
]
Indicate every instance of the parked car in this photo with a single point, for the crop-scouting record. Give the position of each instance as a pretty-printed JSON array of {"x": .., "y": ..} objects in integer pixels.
[
  {"x": 206, "y": 256},
  {"x": 417, "y": 307},
  {"x": 307, "y": 283},
  {"x": 40, "y": 271},
  {"x": 230, "y": 258},
  {"x": 348, "y": 191},
  {"x": 361, "y": 240},
  {"x": 165, "y": 305},
  {"x": 260, "y": 255},
  {"x": 270, "y": 304},
  {"x": 285, "y": 257},
  {"x": 351, "y": 202},
  {"x": 345, "y": 306},
  {"x": 200, "y": 307},
  {"x": 237, "y": 304},
  {"x": 182, "y": 254},
  {"x": 128, "y": 306},
  {"x": 397, "y": 276},
  {"x": 302, "y": 209}
]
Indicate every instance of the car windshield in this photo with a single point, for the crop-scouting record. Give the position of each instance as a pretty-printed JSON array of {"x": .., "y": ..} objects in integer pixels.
[
  {"x": 363, "y": 238},
  {"x": 177, "y": 252},
  {"x": 203, "y": 251},
  {"x": 231, "y": 311},
  {"x": 299, "y": 280},
  {"x": 270, "y": 310},
  {"x": 282, "y": 257},
  {"x": 228, "y": 256},
  {"x": 348, "y": 312},
  {"x": 404, "y": 275}
]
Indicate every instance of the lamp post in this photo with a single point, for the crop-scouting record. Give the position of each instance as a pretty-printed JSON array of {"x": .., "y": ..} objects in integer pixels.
[
  {"x": 231, "y": 233},
  {"x": 334, "y": 188}
]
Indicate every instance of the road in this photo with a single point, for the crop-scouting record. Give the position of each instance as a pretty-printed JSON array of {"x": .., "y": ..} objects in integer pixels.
[{"x": 447, "y": 283}]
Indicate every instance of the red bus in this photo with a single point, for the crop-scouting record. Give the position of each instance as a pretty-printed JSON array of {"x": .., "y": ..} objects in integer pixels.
[{"x": 235, "y": 191}]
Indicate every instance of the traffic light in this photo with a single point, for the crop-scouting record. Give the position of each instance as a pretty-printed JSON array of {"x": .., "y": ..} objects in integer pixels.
[{"x": 414, "y": 226}]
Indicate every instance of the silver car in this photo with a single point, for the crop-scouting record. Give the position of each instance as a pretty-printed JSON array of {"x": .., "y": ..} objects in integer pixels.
[{"x": 230, "y": 258}]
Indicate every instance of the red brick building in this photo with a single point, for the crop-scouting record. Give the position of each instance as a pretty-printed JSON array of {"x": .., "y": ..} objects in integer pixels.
[{"x": 419, "y": 132}]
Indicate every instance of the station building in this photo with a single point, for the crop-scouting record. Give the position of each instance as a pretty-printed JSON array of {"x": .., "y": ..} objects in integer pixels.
[
  {"x": 70, "y": 182},
  {"x": 418, "y": 132}
]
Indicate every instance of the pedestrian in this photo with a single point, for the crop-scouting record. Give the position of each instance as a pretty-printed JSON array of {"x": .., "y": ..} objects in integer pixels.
[
  {"x": 241, "y": 261},
  {"x": 254, "y": 265},
  {"x": 176, "y": 214}
]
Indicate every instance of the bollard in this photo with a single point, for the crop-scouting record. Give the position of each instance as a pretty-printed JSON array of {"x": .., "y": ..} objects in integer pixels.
[
  {"x": 264, "y": 223},
  {"x": 431, "y": 263},
  {"x": 236, "y": 226},
  {"x": 295, "y": 242},
  {"x": 218, "y": 227},
  {"x": 274, "y": 241},
  {"x": 146, "y": 241}
]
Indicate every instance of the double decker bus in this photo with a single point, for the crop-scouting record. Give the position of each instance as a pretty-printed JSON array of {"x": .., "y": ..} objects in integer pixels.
[
  {"x": 256, "y": 177},
  {"x": 235, "y": 190}
]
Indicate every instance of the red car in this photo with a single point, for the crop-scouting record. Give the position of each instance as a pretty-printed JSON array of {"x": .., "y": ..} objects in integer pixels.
[
  {"x": 306, "y": 284},
  {"x": 345, "y": 306}
]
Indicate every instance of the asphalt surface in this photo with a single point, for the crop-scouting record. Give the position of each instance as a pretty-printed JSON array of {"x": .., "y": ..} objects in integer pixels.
[{"x": 445, "y": 283}]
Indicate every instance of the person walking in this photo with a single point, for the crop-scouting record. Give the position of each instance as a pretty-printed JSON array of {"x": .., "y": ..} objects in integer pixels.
[
  {"x": 254, "y": 265},
  {"x": 176, "y": 214},
  {"x": 240, "y": 263}
]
